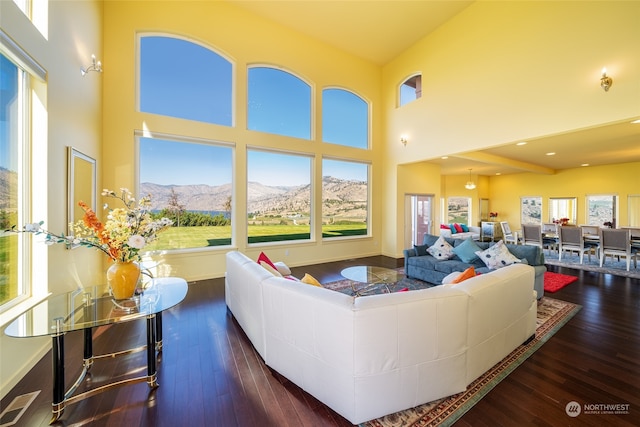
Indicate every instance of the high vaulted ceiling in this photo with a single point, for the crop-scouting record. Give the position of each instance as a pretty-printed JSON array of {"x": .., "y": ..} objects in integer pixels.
[{"x": 355, "y": 27}]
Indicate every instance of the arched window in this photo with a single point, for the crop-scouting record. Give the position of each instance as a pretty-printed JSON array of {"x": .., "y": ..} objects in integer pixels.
[
  {"x": 345, "y": 118},
  {"x": 411, "y": 89},
  {"x": 278, "y": 103},
  {"x": 183, "y": 79}
]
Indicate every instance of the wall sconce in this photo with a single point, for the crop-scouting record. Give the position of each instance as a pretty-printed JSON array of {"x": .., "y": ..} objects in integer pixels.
[
  {"x": 470, "y": 185},
  {"x": 605, "y": 82},
  {"x": 95, "y": 66},
  {"x": 404, "y": 140}
]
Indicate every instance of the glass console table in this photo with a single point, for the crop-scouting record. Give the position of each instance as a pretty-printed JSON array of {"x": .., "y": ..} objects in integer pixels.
[{"x": 87, "y": 308}]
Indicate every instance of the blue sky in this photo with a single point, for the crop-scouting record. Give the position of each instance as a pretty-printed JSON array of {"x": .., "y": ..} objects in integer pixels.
[
  {"x": 176, "y": 163},
  {"x": 8, "y": 84},
  {"x": 196, "y": 84}
]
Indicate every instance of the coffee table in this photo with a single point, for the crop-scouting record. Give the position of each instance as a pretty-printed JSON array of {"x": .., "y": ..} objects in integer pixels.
[{"x": 372, "y": 279}]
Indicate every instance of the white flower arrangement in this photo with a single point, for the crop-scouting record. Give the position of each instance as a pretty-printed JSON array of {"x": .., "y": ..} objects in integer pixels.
[{"x": 126, "y": 231}]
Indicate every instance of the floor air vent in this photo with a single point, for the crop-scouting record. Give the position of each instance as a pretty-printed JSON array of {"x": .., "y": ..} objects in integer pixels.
[{"x": 12, "y": 413}]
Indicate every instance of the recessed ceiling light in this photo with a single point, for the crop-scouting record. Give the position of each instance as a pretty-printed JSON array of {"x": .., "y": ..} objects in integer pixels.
[
  {"x": 522, "y": 143},
  {"x": 585, "y": 164},
  {"x": 444, "y": 157},
  {"x": 498, "y": 173},
  {"x": 636, "y": 121},
  {"x": 551, "y": 153}
]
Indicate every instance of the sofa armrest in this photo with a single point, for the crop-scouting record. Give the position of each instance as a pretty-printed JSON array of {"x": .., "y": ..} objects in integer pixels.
[
  {"x": 474, "y": 229},
  {"x": 408, "y": 253}
]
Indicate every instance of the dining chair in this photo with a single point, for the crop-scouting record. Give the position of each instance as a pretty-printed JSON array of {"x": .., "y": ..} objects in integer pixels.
[
  {"x": 532, "y": 235},
  {"x": 571, "y": 239},
  {"x": 507, "y": 235},
  {"x": 617, "y": 242}
]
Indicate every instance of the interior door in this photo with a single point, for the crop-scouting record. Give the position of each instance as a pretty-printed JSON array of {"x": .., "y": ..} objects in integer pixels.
[{"x": 418, "y": 218}]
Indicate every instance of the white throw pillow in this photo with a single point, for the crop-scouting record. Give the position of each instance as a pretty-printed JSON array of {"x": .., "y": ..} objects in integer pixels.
[
  {"x": 441, "y": 249},
  {"x": 449, "y": 278},
  {"x": 497, "y": 256},
  {"x": 282, "y": 268}
]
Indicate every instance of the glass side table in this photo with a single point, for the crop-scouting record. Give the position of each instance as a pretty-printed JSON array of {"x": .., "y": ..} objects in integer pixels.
[{"x": 87, "y": 308}]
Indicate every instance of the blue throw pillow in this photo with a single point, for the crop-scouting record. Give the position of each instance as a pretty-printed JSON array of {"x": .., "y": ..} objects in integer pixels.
[
  {"x": 464, "y": 228},
  {"x": 466, "y": 251},
  {"x": 453, "y": 228}
]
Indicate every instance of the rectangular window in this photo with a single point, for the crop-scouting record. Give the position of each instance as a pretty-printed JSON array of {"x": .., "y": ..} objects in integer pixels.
[
  {"x": 190, "y": 183},
  {"x": 458, "y": 210},
  {"x": 345, "y": 198},
  {"x": 602, "y": 210},
  {"x": 13, "y": 171},
  {"x": 278, "y": 197}
]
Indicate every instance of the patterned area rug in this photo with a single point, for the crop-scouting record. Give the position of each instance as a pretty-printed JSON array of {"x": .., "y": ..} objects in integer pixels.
[
  {"x": 348, "y": 286},
  {"x": 552, "y": 315},
  {"x": 611, "y": 266}
]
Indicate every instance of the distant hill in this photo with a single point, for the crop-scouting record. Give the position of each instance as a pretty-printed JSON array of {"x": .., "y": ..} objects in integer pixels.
[{"x": 344, "y": 196}]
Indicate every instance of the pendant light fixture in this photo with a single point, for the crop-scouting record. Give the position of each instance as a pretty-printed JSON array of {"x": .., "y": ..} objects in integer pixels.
[{"x": 470, "y": 185}]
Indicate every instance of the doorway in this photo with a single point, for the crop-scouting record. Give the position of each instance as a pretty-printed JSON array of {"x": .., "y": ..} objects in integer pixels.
[{"x": 418, "y": 218}]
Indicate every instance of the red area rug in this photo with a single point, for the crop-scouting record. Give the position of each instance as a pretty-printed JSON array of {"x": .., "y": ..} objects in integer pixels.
[{"x": 553, "y": 282}]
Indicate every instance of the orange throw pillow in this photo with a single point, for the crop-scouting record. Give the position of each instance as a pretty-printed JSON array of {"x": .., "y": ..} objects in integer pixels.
[{"x": 468, "y": 273}]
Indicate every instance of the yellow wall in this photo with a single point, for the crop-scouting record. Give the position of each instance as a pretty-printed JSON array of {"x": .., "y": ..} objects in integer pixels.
[
  {"x": 500, "y": 72},
  {"x": 621, "y": 180},
  {"x": 245, "y": 39},
  {"x": 66, "y": 110}
]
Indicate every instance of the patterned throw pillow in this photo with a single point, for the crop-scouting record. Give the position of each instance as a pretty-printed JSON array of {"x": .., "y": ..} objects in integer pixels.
[
  {"x": 441, "y": 249},
  {"x": 497, "y": 256}
]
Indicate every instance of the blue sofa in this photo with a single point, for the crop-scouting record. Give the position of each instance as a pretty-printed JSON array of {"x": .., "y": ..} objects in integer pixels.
[{"x": 432, "y": 270}]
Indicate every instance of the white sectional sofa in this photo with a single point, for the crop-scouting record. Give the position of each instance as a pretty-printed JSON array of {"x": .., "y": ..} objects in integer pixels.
[{"x": 370, "y": 356}]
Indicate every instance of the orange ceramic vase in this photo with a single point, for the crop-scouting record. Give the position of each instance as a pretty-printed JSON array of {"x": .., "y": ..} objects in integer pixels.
[{"x": 122, "y": 278}]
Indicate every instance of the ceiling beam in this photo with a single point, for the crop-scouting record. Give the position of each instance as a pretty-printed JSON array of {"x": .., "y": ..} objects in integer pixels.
[{"x": 503, "y": 161}]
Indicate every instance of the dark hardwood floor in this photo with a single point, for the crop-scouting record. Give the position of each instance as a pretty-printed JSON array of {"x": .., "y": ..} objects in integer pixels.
[{"x": 209, "y": 374}]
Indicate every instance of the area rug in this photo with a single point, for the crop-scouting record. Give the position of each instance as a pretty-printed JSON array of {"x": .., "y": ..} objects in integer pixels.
[
  {"x": 553, "y": 282},
  {"x": 611, "y": 266},
  {"x": 552, "y": 315}
]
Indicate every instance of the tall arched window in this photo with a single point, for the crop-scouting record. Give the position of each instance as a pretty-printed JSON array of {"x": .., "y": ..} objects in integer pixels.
[
  {"x": 180, "y": 78},
  {"x": 278, "y": 103},
  {"x": 345, "y": 118}
]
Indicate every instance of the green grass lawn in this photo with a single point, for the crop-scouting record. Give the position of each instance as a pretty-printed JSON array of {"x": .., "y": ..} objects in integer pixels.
[
  {"x": 198, "y": 237},
  {"x": 8, "y": 269},
  {"x": 183, "y": 238}
]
